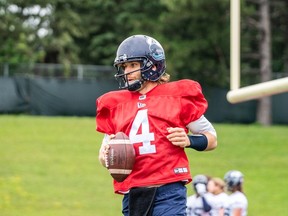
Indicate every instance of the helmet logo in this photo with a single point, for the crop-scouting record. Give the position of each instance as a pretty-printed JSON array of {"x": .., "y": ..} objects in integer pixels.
[
  {"x": 123, "y": 57},
  {"x": 155, "y": 48}
]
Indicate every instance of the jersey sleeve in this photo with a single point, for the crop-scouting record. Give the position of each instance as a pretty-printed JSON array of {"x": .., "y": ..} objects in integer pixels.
[
  {"x": 193, "y": 102},
  {"x": 103, "y": 117}
]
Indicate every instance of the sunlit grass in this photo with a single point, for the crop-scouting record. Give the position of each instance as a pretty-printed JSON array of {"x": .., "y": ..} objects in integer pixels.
[{"x": 49, "y": 166}]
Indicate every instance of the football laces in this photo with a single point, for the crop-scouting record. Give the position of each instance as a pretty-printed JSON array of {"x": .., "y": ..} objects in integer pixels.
[{"x": 106, "y": 160}]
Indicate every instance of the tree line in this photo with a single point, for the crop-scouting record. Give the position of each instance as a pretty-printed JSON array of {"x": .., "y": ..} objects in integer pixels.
[{"x": 194, "y": 33}]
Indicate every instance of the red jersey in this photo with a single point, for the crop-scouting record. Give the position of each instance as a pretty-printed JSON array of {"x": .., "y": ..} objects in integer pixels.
[{"x": 145, "y": 119}]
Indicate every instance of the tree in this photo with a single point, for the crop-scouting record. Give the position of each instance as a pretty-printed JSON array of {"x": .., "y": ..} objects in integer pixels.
[
  {"x": 195, "y": 34},
  {"x": 65, "y": 25},
  {"x": 264, "y": 109},
  {"x": 279, "y": 29},
  {"x": 19, "y": 31},
  {"x": 197, "y": 40},
  {"x": 261, "y": 41},
  {"x": 108, "y": 22}
]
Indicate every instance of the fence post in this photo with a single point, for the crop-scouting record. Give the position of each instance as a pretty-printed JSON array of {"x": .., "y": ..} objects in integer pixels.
[
  {"x": 80, "y": 72},
  {"x": 6, "y": 69}
]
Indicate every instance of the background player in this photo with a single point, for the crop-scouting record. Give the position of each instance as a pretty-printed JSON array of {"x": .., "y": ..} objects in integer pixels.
[
  {"x": 156, "y": 115},
  {"x": 237, "y": 203},
  {"x": 216, "y": 186},
  {"x": 202, "y": 202}
]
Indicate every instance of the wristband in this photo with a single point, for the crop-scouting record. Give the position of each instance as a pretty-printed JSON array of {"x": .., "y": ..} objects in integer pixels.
[{"x": 198, "y": 142}]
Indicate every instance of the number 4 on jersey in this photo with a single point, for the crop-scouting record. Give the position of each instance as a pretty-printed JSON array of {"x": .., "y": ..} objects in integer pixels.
[{"x": 145, "y": 137}]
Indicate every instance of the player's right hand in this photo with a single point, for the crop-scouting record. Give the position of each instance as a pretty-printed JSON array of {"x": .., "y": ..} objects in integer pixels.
[{"x": 178, "y": 137}]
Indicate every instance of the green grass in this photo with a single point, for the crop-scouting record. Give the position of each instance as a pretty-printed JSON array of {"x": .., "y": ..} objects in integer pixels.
[{"x": 49, "y": 166}]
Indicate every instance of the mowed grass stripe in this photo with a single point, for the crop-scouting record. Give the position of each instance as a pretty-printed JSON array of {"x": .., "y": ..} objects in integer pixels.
[{"x": 49, "y": 166}]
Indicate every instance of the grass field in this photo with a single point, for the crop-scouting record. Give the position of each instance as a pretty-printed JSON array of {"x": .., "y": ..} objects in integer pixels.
[{"x": 49, "y": 166}]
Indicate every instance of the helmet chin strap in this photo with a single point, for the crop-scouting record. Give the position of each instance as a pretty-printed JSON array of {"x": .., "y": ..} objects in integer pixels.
[{"x": 136, "y": 85}]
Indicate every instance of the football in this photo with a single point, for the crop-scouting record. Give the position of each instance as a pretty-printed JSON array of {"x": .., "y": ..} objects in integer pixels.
[{"x": 121, "y": 157}]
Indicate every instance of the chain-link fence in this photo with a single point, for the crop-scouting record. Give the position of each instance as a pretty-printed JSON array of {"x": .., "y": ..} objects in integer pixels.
[{"x": 73, "y": 71}]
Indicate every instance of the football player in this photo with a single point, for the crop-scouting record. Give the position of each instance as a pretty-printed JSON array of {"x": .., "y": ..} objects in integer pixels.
[
  {"x": 202, "y": 202},
  {"x": 237, "y": 202},
  {"x": 216, "y": 186},
  {"x": 156, "y": 115}
]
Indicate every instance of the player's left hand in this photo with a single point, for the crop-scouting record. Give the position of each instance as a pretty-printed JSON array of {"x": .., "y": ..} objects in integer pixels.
[{"x": 178, "y": 137}]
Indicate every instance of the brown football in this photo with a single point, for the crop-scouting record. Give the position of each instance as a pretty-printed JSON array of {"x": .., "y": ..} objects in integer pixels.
[{"x": 121, "y": 157}]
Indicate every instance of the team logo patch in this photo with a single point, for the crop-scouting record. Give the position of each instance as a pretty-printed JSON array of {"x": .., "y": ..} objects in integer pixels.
[
  {"x": 180, "y": 170},
  {"x": 140, "y": 105},
  {"x": 142, "y": 97}
]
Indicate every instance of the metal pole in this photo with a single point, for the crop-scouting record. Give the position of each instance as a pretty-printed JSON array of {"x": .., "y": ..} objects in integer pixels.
[{"x": 234, "y": 44}]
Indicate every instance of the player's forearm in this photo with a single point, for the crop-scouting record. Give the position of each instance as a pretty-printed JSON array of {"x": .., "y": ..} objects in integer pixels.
[
  {"x": 203, "y": 141},
  {"x": 208, "y": 140},
  {"x": 212, "y": 141}
]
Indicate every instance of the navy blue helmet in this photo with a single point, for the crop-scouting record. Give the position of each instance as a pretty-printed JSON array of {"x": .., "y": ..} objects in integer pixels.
[
  {"x": 146, "y": 50},
  {"x": 202, "y": 179},
  {"x": 233, "y": 178}
]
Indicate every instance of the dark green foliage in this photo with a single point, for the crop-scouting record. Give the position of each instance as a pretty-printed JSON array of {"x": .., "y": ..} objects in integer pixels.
[
  {"x": 194, "y": 33},
  {"x": 198, "y": 32}
]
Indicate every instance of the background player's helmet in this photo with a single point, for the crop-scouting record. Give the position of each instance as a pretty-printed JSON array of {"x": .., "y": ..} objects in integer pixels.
[
  {"x": 200, "y": 179},
  {"x": 145, "y": 50},
  {"x": 233, "y": 178},
  {"x": 200, "y": 184}
]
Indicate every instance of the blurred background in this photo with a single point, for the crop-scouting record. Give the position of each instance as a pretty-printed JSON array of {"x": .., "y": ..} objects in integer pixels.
[{"x": 56, "y": 56}]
